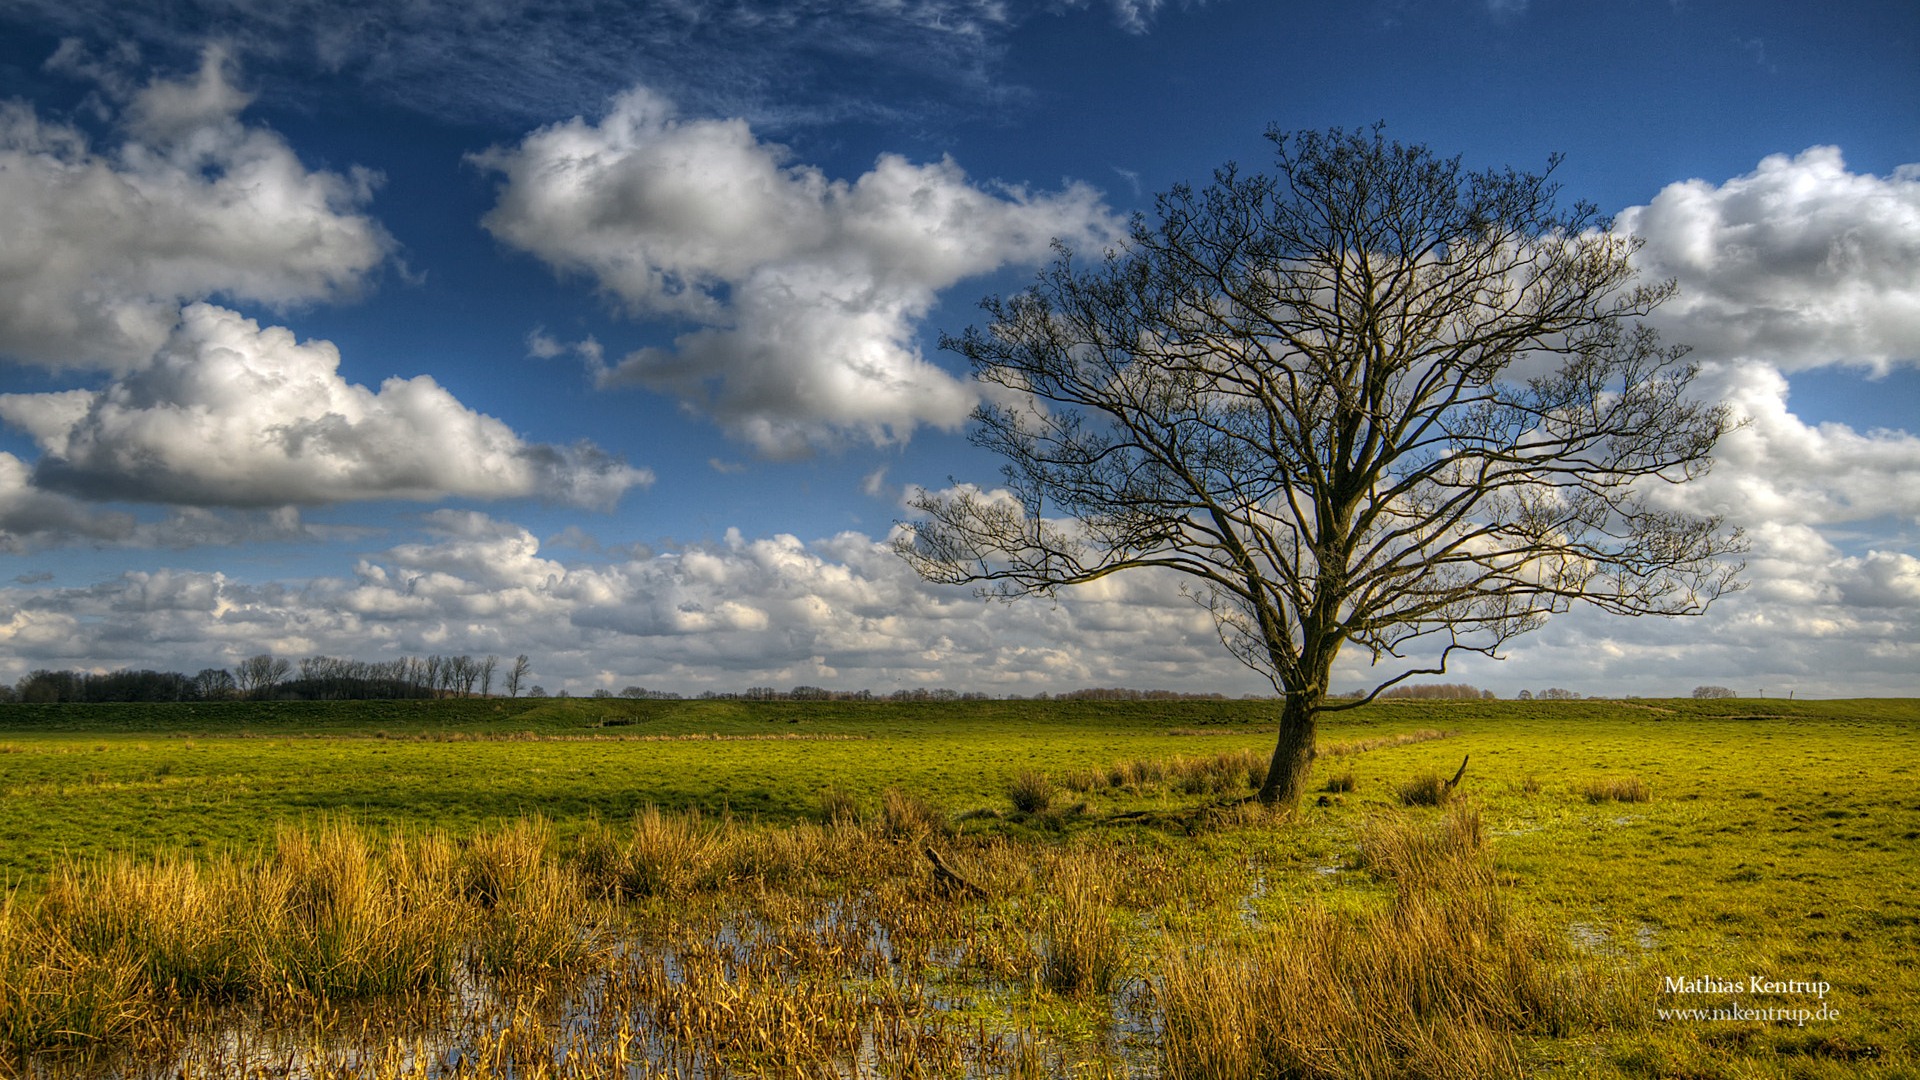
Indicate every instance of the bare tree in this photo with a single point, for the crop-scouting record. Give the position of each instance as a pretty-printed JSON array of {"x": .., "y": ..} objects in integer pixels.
[
  {"x": 256, "y": 676},
  {"x": 486, "y": 675},
  {"x": 1367, "y": 398},
  {"x": 214, "y": 684},
  {"x": 517, "y": 675}
]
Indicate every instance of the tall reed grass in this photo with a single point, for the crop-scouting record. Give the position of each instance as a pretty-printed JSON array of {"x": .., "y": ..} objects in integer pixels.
[
  {"x": 1440, "y": 984},
  {"x": 676, "y": 944}
]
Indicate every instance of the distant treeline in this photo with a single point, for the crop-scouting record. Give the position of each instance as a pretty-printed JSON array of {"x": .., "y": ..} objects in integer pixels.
[
  {"x": 921, "y": 693},
  {"x": 325, "y": 678},
  {"x": 1431, "y": 692},
  {"x": 268, "y": 677}
]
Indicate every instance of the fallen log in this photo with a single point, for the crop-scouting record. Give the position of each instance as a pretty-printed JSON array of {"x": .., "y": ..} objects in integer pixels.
[{"x": 950, "y": 881}]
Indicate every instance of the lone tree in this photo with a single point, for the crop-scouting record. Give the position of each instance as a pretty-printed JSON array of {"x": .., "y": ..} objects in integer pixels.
[{"x": 1368, "y": 398}]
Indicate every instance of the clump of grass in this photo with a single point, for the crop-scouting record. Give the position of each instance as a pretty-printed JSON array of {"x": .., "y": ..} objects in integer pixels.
[
  {"x": 1228, "y": 770},
  {"x": 670, "y": 855},
  {"x": 1084, "y": 780},
  {"x": 1616, "y": 789},
  {"x": 911, "y": 816},
  {"x": 1531, "y": 785},
  {"x": 838, "y": 806},
  {"x": 1341, "y": 784},
  {"x": 1426, "y": 789},
  {"x": 1450, "y": 855},
  {"x": 54, "y": 993},
  {"x": 1030, "y": 792},
  {"x": 536, "y": 930},
  {"x": 1138, "y": 773},
  {"x": 1225, "y": 771},
  {"x": 1082, "y": 947},
  {"x": 494, "y": 866}
]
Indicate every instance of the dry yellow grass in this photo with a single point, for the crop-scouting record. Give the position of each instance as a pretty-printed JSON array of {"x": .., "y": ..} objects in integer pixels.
[{"x": 1439, "y": 984}]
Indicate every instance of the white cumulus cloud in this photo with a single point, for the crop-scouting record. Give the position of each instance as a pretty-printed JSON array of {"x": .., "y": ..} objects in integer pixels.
[
  {"x": 1801, "y": 262},
  {"x": 1776, "y": 468},
  {"x": 230, "y": 414},
  {"x": 807, "y": 291},
  {"x": 104, "y": 245}
]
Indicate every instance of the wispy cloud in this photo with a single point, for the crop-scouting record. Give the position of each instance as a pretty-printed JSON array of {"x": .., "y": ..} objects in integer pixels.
[{"x": 784, "y": 61}]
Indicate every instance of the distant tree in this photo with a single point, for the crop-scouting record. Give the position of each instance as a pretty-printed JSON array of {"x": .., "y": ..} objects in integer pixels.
[
  {"x": 256, "y": 676},
  {"x": 541, "y": 691},
  {"x": 633, "y": 692},
  {"x": 486, "y": 675},
  {"x": 1435, "y": 691},
  {"x": 1368, "y": 399},
  {"x": 46, "y": 687},
  {"x": 517, "y": 675},
  {"x": 1554, "y": 693},
  {"x": 602, "y": 692},
  {"x": 1708, "y": 692}
]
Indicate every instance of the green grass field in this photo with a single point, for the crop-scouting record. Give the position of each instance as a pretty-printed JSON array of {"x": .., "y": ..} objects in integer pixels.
[{"x": 1759, "y": 838}]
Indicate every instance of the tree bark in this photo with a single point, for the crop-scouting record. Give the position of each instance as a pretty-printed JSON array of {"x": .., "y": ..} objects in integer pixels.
[{"x": 1293, "y": 753}]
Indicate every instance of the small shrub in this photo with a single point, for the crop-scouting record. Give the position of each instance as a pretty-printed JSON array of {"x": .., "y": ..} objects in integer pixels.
[{"x": 1617, "y": 789}]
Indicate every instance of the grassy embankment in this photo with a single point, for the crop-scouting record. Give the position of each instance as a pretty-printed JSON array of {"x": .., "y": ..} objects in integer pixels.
[{"x": 1133, "y": 917}]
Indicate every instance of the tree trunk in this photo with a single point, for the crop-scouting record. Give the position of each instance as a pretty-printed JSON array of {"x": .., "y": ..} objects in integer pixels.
[{"x": 1293, "y": 754}]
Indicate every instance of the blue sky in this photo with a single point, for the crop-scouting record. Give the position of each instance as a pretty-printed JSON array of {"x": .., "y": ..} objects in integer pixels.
[{"x": 659, "y": 288}]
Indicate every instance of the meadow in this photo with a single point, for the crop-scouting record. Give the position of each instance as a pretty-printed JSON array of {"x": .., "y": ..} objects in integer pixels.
[{"x": 589, "y": 887}]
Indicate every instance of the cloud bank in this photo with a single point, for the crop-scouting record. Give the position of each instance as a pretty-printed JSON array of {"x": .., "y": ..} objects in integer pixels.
[
  {"x": 808, "y": 292},
  {"x": 230, "y": 414},
  {"x": 104, "y": 245},
  {"x": 844, "y": 612},
  {"x": 840, "y": 611}
]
